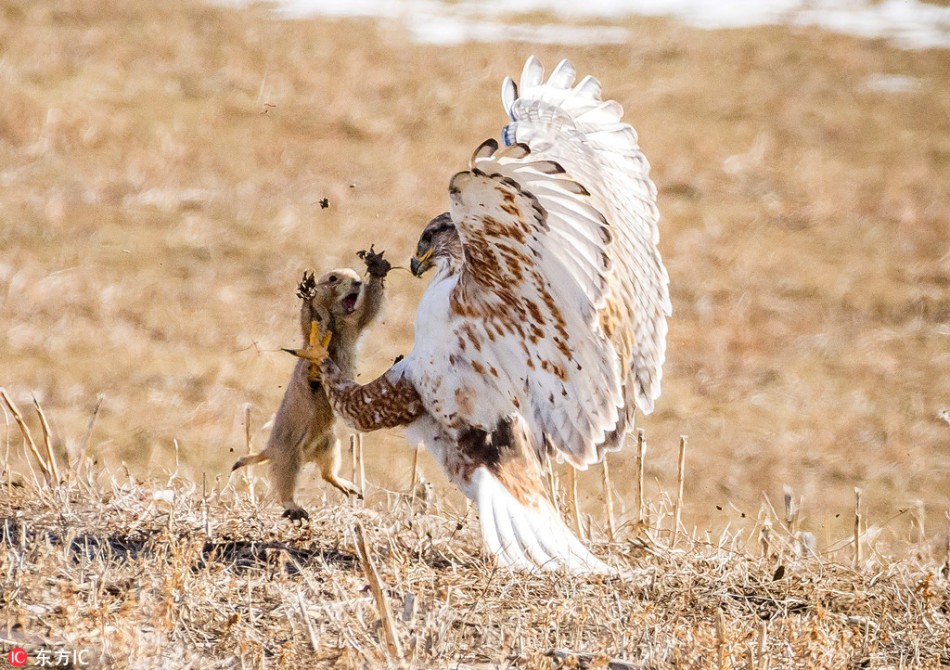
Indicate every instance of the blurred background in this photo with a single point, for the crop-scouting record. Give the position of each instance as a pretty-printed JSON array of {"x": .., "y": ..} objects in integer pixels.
[{"x": 162, "y": 167}]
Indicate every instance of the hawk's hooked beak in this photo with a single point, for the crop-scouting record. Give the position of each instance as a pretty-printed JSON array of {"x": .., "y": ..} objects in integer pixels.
[{"x": 419, "y": 264}]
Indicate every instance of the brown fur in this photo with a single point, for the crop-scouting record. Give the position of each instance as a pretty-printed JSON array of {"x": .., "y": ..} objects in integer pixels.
[{"x": 303, "y": 426}]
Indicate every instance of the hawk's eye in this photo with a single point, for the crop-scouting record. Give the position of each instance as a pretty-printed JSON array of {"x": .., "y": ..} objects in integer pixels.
[{"x": 333, "y": 279}]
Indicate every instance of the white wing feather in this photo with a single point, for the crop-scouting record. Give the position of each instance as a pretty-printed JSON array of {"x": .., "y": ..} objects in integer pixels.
[
  {"x": 545, "y": 284},
  {"x": 587, "y": 137}
]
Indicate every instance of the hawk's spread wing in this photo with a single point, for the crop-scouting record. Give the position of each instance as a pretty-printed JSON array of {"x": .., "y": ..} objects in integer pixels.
[
  {"x": 561, "y": 266},
  {"x": 572, "y": 126}
]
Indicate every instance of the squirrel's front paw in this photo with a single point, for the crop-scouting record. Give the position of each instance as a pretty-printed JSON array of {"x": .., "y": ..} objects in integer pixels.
[{"x": 307, "y": 288}]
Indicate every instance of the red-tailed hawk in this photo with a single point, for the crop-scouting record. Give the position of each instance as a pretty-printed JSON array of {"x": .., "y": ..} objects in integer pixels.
[{"x": 544, "y": 326}]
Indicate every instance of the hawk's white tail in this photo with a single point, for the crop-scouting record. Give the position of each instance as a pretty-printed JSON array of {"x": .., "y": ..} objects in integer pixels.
[{"x": 528, "y": 538}]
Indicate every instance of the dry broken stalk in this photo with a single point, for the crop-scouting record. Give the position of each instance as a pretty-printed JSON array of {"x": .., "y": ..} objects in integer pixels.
[
  {"x": 205, "y": 521},
  {"x": 721, "y": 639},
  {"x": 641, "y": 456},
  {"x": 81, "y": 456},
  {"x": 415, "y": 468},
  {"x": 247, "y": 427},
  {"x": 575, "y": 503},
  {"x": 379, "y": 594},
  {"x": 362, "y": 462},
  {"x": 608, "y": 501},
  {"x": 27, "y": 435},
  {"x": 918, "y": 521},
  {"x": 763, "y": 645},
  {"x": 552, "y": 486},
  {"x": 308, "y": 623},
  {"x": 857, "y": 527},
  {"x": 791, "y": 510},
  {"x": 414, "y": 482},
  {"x": 47, "y": 442},
  {"x": 765, "y": 537},
  {"x": 680, "y": 476},
  {"x": 946, "y": 561}
]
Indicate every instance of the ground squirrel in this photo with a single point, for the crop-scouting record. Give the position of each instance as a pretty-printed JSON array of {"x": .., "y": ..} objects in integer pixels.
[{"x": 343, "y": 305}]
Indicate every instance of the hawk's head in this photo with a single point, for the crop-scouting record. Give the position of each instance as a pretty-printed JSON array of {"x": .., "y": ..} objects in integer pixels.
[{"x": 438, "y": 242}]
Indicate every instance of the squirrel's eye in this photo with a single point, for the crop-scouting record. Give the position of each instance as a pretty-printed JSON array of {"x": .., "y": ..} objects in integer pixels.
[{"x": 333, "y": 278}]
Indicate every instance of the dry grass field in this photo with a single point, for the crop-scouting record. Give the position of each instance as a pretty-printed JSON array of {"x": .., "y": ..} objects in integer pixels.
[
  {"x": 162, "y": 167},
  {"x": 182, "y": 577}
]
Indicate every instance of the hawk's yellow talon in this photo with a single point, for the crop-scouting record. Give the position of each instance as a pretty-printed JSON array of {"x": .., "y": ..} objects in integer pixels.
[
  {"x": 316, "y": 350},
  {"x": 316, "y": 338},
  {"x": 314, "y": 332}
]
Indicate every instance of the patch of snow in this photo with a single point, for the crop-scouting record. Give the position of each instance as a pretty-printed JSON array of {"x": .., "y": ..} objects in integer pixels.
[
  {"x": 454, "y": 30},
  {"x": 910, "y": 24},
  {"x": 892, "y": 83}
]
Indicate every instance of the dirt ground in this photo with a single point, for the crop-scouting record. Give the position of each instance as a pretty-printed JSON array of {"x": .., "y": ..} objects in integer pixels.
[{"x": 162, "y": 168}]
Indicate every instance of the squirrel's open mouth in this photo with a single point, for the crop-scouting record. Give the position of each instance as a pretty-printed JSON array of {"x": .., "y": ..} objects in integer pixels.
[{"x": 349, "y": 302}]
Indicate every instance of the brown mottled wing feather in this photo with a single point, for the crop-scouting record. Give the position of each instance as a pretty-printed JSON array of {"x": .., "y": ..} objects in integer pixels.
[
  {"x": 535, "y": 279},
  {"x": 572, "y": 126},
  {"x": 386, "y": 402}
]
